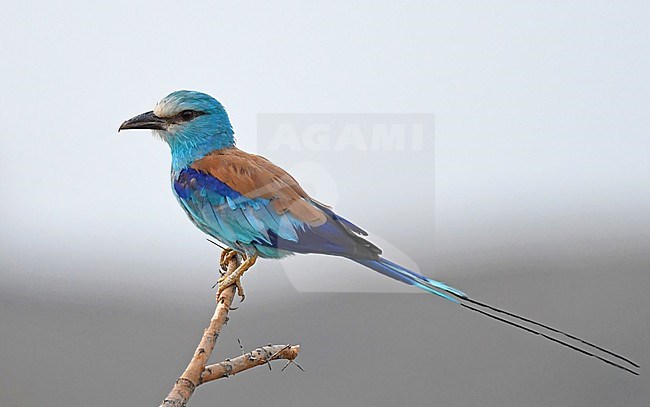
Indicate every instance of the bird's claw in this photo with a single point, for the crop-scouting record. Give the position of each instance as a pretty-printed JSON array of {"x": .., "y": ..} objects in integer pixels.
[
  {"x": 240, "y": 291},
  {"x": 234, "y": 278},
  {"x": 223, "y": 284},
  {"x": 226, "y": 256}
]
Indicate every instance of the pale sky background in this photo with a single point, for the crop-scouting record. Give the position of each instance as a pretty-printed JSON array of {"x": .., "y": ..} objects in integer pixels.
[{"x": 540, "y": 173}]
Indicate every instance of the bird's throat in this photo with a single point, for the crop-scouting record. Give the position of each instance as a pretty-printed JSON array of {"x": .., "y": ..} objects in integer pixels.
[{"x": 185, "y": 150}]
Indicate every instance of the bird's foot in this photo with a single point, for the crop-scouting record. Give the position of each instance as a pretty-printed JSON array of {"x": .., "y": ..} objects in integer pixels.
[
  {"x": 226, "y": 256},
  {"x": 235, "y": 277}
]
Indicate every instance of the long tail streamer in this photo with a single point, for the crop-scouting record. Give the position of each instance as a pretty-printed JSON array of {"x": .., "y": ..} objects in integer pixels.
[
  {"x": 550, "y": 328},
  {"x": 550, "y": 338},
  {"x": 443, "y": 290}
]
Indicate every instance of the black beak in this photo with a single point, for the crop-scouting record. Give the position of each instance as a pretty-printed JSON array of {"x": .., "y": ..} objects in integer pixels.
[{"x": 144, "y": 121}]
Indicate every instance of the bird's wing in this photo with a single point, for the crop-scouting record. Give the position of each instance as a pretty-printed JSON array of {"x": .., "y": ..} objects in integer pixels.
[
  {"x": 245, "y": 198},
  {"x": 255, "y": 177}
]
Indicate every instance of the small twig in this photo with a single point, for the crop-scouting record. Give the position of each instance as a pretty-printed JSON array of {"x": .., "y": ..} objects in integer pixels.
[
  {"x": 292, "y": 361},
  {"x": 257, "y": 357}
]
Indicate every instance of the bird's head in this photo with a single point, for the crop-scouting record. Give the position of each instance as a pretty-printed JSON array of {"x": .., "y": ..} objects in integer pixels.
[{"x": 192, "y": 123}]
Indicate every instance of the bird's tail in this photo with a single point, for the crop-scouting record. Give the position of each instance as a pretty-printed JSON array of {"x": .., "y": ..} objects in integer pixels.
[
  {"x": 399, "y": 273},
  {"x": 393, "y": 270}
]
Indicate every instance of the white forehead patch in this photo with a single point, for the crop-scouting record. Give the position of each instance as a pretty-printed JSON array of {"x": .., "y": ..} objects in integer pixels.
[{"x": 169, "y": 107}]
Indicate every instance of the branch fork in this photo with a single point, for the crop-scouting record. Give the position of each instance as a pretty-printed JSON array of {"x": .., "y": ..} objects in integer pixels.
[{"x": 198, "y": 373}]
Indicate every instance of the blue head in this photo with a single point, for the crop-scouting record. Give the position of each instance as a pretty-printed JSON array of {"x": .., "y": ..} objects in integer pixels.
[{"x": 192, "y": 123}]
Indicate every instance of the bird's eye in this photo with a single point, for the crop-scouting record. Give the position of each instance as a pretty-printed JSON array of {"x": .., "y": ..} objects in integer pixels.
[{"x": 187, "y": 115}]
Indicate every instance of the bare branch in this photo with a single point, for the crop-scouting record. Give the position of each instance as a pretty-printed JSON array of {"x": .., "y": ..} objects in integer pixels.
[
  {"x": 257, "y": 357},
  {"x": 197, "y": 373},
  {"x": 190, "y": 379}
]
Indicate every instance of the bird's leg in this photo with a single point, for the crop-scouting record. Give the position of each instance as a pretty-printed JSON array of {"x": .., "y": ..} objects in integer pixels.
[
  {"x": 226, "y": 256},
  {"x": 234, "y": 278}
]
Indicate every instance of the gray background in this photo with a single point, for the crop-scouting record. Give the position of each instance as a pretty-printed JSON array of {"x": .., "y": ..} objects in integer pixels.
[{"x": 542, "y": 171}]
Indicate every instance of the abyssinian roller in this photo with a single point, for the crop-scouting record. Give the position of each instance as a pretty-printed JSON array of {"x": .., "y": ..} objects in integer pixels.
[{"x": 257, "y": 210}]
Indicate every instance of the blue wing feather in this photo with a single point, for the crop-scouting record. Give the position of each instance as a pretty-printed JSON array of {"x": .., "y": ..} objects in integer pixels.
[
  {"x": 236, "y": 220},
  {"x": 229, "y": 216},
  {"x": 252, "y": 225}
]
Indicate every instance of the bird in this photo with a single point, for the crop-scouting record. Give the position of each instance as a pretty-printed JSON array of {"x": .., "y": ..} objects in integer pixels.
[{"x": 258, "y": 210}]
